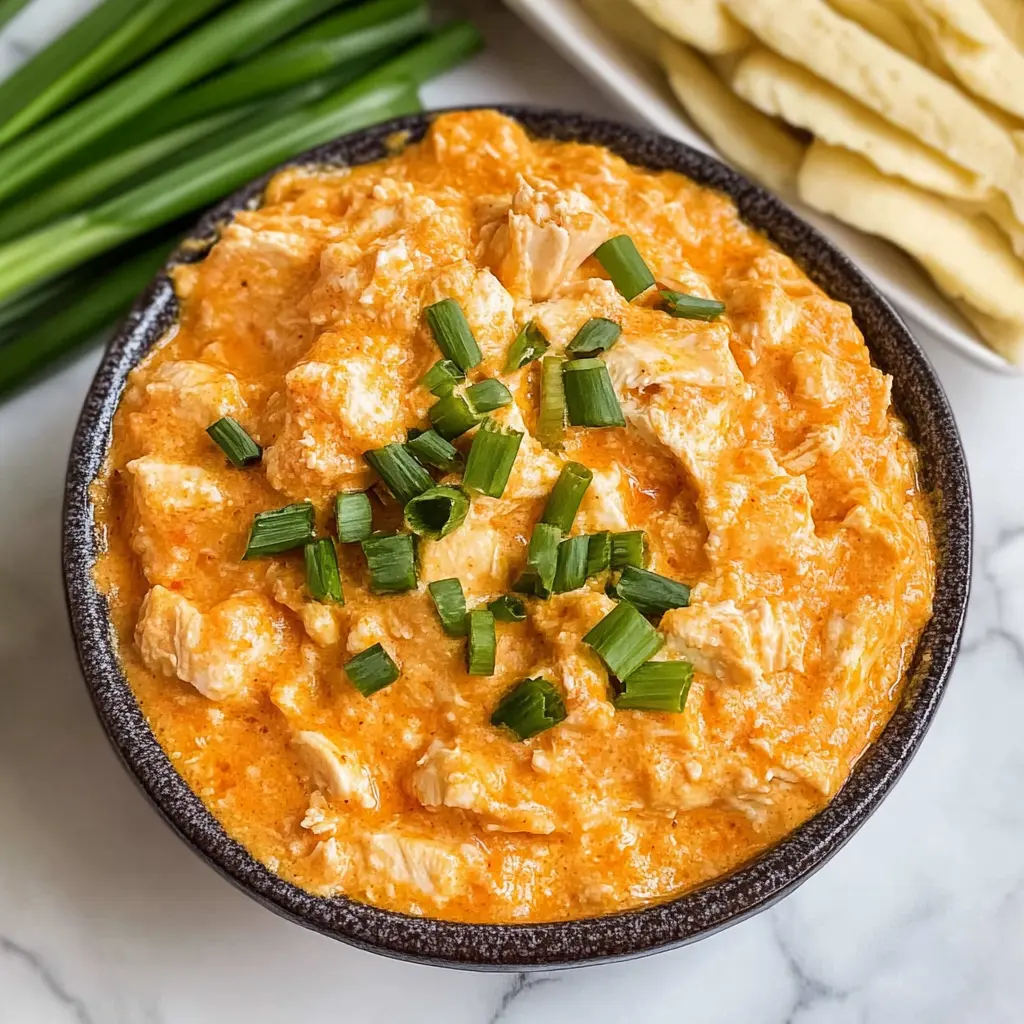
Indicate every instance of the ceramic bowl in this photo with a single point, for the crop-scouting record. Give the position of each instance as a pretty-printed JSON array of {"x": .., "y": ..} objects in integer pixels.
[{"x": 760, "y": 883}]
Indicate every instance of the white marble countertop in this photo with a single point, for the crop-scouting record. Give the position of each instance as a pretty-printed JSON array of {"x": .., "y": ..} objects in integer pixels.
[{"x": 106, "y": 918}]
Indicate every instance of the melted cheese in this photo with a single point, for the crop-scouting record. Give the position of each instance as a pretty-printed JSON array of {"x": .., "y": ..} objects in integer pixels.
[{"x": 762, "y": 458}]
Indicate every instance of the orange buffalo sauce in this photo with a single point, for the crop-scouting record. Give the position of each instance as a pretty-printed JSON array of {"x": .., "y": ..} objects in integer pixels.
[{"x": 761, "y": 456}]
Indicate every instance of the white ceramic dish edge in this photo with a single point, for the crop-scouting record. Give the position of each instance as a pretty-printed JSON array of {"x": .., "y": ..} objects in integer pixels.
[{"x": 569, "y": 29}]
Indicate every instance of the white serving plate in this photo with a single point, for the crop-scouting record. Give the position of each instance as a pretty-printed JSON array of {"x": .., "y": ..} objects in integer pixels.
[{"x": 643, "y": 91}]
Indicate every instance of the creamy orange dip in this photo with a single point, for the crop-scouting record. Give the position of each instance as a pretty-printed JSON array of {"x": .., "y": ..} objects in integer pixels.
[{"x": 761, "y": 456}]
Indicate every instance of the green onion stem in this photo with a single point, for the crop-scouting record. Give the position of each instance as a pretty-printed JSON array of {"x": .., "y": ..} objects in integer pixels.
[
  {"x": 629, "y": 548},
  {"x": 564, "y": 500},
  {"x": 450, "y": 602},
  {"x": 656, "y": 686},
  {"x": 507, "y": 608},
  {"x": 590, "y": 399},
  {"x": 442, "y": 377},
  {"x": 279, "y": 530},
  {"x": 371, "y": 670},
  {"x": 483, "y": 644},
  {"x": 488, "y": 395},
  {"x": 624, "y": 640},
  {"x": 597, "y": 335},
  {"x": 530, "y": 344},
  {"x": 452, "y": 333},
  {"x": 599, "y": 553},
  {"x": 451, "y": 416},
  {"x": 529, "y": 708},
  {"x": 391, "y": 558},
  {"x": 233, "y": 440},
  {"x": 690, "y": 307},
  {"x": 323, "y": 578},
  {"x": 551, "y": 420},
  {"x": 650, "y": 593},
  {"x": 433, "y": 450},
  {"x": 625, "y": 266},
  {"x": 437, "y": 512},
  {"x": 571, "y": 571},
  {"x": 353, "y": 516},
  {"x": 397, "y": 467},
  {"x": 541, "y": 561},
  {"x": 491, "y": 458}
]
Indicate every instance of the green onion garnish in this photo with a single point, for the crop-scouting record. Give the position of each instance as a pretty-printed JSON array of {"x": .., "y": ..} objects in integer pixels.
[
  {"x": 452, "y": 416},
  {"x": 323, "y": 580},
  {"x": 571, "y": 571},
  {"x": 433, "y": 450},
  {"x": 437, "y": 512},
  {"x": 398, "y": 468},
  {"x": 371, "y": 670},
  {"x": 599, "y": 553},
  {"x": 451, "y": 331},
  {"x": 234, "y": 442},
  {"x": 656, "y": 686},
  {"x": 482, "y": 643},
  {"x": 629, "y": 548},
  {"x": 353, "y": 516},
  {"x": 450, "y": 602},
  {"x": 491, "y": 458},
  {"x": 488, "y": 395},
  {"x": 690, "y": 307},
  {"x": 391, "y": 558},
  {"x": 280, "y": 529},
  {"x": 551, "y": 421},
  {"x": 624, "y": 639},
  {"x": 507, "y": 608},
  {"x": 530, "y": 344},
  {"x": 442, "y": 377},
  {"x": 598, "y": 334},
  {"x": 564, "y": 500},
  {"x": 530, "y": 707},
  {"x": 650, "y": 593},
  {"x": 625, "y": 266},
  {"x": 589, "y": 396},
  {"x": 541, "y": 561}
]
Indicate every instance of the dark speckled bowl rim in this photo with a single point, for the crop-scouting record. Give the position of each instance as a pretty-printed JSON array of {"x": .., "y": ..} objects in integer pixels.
[{"x": 752, "y": 888}]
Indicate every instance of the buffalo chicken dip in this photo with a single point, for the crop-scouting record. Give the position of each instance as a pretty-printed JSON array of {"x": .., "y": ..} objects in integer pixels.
[{"x": 507, "y": 533}]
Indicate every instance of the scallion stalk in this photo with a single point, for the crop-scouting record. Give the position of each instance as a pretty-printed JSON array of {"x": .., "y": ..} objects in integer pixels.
[
  {"x": 650, "y": 593},
  {"x": 353, "y": 516},
  {"x": 437, "y": 512},
  {"x": 452, "y": 416},
  {"x": 442, "y": 377},
  {"x": 450, "y": 602},
  {"x": 483, "y": 643},
  {"x": 625, "y": 266},
  {"x": 629, "y": 548},
  {"x": 371, "y": 670},
  {"x": 598, "y": 334},
  {"x": 530, "y": 344},
  {"x": 452, "y": 333},
  {"x": 232, "y": 439},
  {"x": 391, "y": 558},
  {"x": 541, "y": 561},
  {"x": 599, "y": 553},
  {"x": 590, "y": 399},
  {"x": 507, "y": 608},
  {"x": 488, "y": 395},
  {"x": 491, "y": 458},
  {"x": 571, "y": 570},
  {"x": 397, "y": 467},
  {"x": 8, "y": 9},
  {"x": 690, "y": 307},
  {"x": 564, "y": 500},
  {"x": 656, "y": 686},
  {"x": 323, "y": 578},
  {"x": 529, "y": 708},
  {"x": 433, "y": 450},
  {"x": 280, "y": 529},
  {"x": 624, "y": 640},
  {"x": 551, "y": 420}
]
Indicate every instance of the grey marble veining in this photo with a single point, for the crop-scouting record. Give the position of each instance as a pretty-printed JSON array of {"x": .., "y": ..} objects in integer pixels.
[{"x": 105, "y": 917}]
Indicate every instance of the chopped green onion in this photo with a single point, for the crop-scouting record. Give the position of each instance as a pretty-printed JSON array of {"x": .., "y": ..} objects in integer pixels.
[
  {"x": 491, "y": 458},
  {"x": 482, "y": 643},
  {"x": 650, "y": 593},
  {"x": 371, "y": 670},
  {"x": 442, "y": 377},
  {"x": 280, "y": 529},
  {"x": 625, "y": 266},
  {"x": 452, "y": 416},
  {"x": 451, "y": 331},
  {"x": 599, "y": 553},
  {"x": 541, "y": 561},
  {"x": 450, "y": 602},
  {"x": 507, "y": 608},
  {"x": 624, "y": 639},
  {"x": 530, "y": 707},
  {"x": 391, "y": 558},
  {"x": 598, "y": 334},
  {"x": 564, "y": 500},
  {"x": 629, "y": 548},
  {"x": 589, "y": 396},
  {"x": 323, "y": 580},
  {"x": 398, "y": 468},
  {"x": 353, "y": 516},
  {"x": 571, "y": 571},
  {"x": 437, "y": 512},
  {"x": 488, "y": 395},
  {"x": 551, "y": 421},
  {"x": 656, "y": 686},
  {"x": 234, "y": 442},
  {"x": 431, "y": 448},
  {"x": 691, "y": 307},
  {"x": 530, "y": 344}
]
